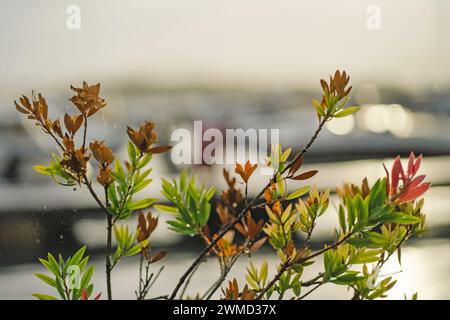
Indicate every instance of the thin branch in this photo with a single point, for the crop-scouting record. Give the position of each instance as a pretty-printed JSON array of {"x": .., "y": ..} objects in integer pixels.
[
  {"x": 108, "y": 248},
  {"x": 277, "y": 277},
  {"x": 129, "y": 188},
  {"x": 144, "y": 286},
  {"x": 313, "y": 281},
  {"x": 334, "y": 245},
  {"x": 84, "y": 133},
  {"x": 311, "y": 291},
  {"x": 141, "y": 260},
  {"x": 163, "y": 297},
  {"x": 243, "y": 212},
  {"x": 186, "y": 284},
  {"x": 288, "y": 264},
  {"x": 381, "y": 263},
  {"x": 88, "y": 184},
  {"x": 223, "y": 276}
]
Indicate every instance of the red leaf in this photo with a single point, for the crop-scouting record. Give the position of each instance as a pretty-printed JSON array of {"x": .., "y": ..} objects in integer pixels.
[
  {"x": 305, "y": 175},
  {"x": 97, "y": 297},
  {"x": 258, "y": 244},
  {"x": 388, "y": 182},
  {"x": 84, "y": 295},
  {"x": 296, "y": 165},
  {"x": 160, "y": 149},
  {"x": 159, "y": 256},
  {"x": 416, "y": 181},
  {"x": 414, "y": 194},
  {"x": 397, "y": 172},
  {"x": 411, "y": 165},
  {"x": 417, "y": 164}
]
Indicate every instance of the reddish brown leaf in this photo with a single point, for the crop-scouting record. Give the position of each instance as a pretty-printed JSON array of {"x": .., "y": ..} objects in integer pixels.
[
  {"x": 159, "y": 256},
  {"x": 21, "y": 109},
  {"x": 306, "y": 175},
  {"x": 296, "y": 165},
  {"x": 241, "y": 229},
  {"x": 267, "y": 195},
  {"x": 258, "y": 244},
  {"x": 414, "y": 194},
  {"x": 84, "y": 295},
  {"x": 160, "y": 149}
]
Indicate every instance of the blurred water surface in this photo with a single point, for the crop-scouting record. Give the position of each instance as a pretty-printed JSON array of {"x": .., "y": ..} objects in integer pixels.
[{"x": 416, "y": 274}]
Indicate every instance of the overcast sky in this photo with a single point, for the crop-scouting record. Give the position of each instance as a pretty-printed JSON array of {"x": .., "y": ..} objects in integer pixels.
[{"x": 243, "y": 42}]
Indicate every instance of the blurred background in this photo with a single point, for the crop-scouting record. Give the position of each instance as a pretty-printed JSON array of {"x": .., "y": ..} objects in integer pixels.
[{"x": 232, "y": 64}]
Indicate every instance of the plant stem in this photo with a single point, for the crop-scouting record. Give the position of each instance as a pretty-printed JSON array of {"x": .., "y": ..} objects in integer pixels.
[
  {"x": 141, "y": 260},
  {"x": 88, "y": 184},
  {"x": 277, "y": 277},
  {"x": 312, "y": 281},
  {"x": 186, "y": 284},
  {"x": 163, "y": 297},
  {"x": 222, "y": 278},
  {"x": 244, "y": 211},
  {"x": 84, "y": 132},
  {"x": 108, "y": 248},
  {"x": 129, "y": 188},
  {"x": 381, "y": 263},
  {"x": 108, "y": 257},
  {"x": 288, "y": 264},
  {"x": 311, "y": 291}
]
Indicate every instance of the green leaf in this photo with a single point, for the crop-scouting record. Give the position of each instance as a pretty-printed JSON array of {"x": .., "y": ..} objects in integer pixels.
[
  {"x": 281, "y": 187},
  {"x": 347, "y": 279},
  {"x": 286, "y": 154},
  {"x": 132, "y": 153},
  {"x": 136, "y": 248},
  {"x": 53, "y": 265},
  {"x": 377, "y": 195},
  {"x": 351, "y": 212},
  {"x": 59, "y": 288},
  {"x": 112, "y": 195},
  {"x": 361, "y": 242},
  {"x": 298, "y": 193},
  {"x": 89, "y": 289},
  {"x": 203, "y": 217},
  {"x": 48, "y": 280},
  {"x": 144, "y": 161},
  {"x": 400, "y": 218},
  {"x": 183, "y": 179},
  {"x": 141, "y": 204},
  {"x": 42, "y": 169},
  {"x": 165, "y": 208},
  {"x": 83, "y": 263},
  {"x": 298, "y": 267},
  {"x": 46, "y": 264},
  {"x": 264, "y": 272},
  {"x": 76, "y": 258},
  {"x": 342, "y": 223},
  {"x": 141, "y": 185},
  {"x": 118, "y": 172},
  {"x": 42, "y": 296},
  {"x": 181, "y": 228},
  {"x": 362, "y": 211},
  {"x": 210, "y": 193},
  {"x": 120, "y": 180},
  {"x": 316, "y": 104},
  {"x": 366, "y": 256},
  {"x": 346, "y": 112},
  {"x": 142, "y": 176},
  {"x": 86, "y": 277}
]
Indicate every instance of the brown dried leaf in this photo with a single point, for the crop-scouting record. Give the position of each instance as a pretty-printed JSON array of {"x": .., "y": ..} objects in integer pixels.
[{"x": 306, "y": 175}]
